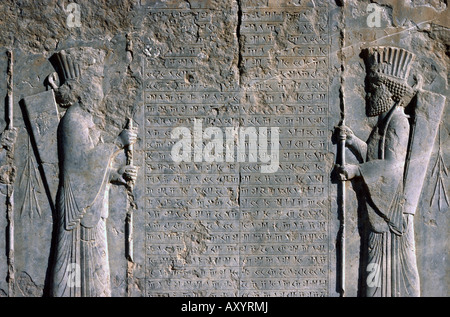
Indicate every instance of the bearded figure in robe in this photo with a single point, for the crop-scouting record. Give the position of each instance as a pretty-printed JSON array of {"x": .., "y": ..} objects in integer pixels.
[
  {"x": 391, "y": 260},
  {"x": 80, "y": 265}
]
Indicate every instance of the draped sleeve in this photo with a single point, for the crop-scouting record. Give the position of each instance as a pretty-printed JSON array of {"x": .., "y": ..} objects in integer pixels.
[
  {"x": 383, "y": 175},
  {"x": 84, "y": 169}
]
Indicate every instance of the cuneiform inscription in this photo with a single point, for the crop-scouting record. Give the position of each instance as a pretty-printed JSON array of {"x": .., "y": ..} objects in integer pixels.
[{"x": 223, "y": 228}]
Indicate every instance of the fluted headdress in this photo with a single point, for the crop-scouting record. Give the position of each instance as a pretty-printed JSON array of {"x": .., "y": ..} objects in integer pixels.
[
  {"x": 69, "y": 68},
  {"x": 389, "y": 61},
  {"x": 79, "y": 61}
]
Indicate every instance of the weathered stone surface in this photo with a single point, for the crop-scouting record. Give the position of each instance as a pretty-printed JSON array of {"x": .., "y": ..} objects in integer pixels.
[{"x": 215, "y": 148}]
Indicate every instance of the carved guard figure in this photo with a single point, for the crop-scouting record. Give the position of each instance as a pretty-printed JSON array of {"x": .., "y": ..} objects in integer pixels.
[
  {"x": 81, "y": 265},
  {"x": 392, "y": 169}
]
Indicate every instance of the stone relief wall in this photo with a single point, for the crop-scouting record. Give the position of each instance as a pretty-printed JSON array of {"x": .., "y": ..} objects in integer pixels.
[{"x": 282, "y": 148}]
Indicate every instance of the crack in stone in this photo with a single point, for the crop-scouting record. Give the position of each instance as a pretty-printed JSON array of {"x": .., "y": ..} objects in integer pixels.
[{"x": 239, "y": 40}]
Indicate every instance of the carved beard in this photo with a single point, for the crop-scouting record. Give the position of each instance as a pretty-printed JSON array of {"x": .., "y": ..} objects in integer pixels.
[{"x": 378, "y": 102}]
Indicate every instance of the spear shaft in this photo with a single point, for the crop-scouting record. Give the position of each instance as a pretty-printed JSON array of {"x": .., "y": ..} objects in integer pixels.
[
  {"x": 10, "y": 185},
  {"x": 129, "y": 253},
  {"x": 341, "y": 154},
  {"x": 129, "y": 217},
  {"x": 342, "y": 207},
  {"x": 10, "y": 90}
]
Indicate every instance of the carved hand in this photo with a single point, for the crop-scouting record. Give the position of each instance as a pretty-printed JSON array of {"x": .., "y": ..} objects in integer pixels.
[
  {"x": 127, "y": 137},
  {"x": 349, "y": 135},
  {"x": 8, "y": 138},
  {"x": 348, "y": 172},
  {"x": 129, "y": 173},
  {"x": 124, "y": 175}
]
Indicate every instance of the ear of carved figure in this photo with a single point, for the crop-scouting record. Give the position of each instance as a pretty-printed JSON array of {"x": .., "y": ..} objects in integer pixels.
[{"x": 52, "y": 81}]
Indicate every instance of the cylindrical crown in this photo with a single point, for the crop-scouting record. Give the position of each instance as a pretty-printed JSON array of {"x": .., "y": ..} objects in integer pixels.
[
  {"x": 70, "y": 69},
  {"x": 390, "y": 61},
  {"x": 76, "y": 62}
]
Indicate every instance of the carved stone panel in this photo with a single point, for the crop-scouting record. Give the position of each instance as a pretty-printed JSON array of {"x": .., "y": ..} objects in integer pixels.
[{"x": 237, "y": 148}]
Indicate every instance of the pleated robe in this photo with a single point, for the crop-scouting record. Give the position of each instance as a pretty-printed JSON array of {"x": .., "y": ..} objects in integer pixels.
[
  {"x": 81, "y": 264},
  {"x": 391, "y": 261}
]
